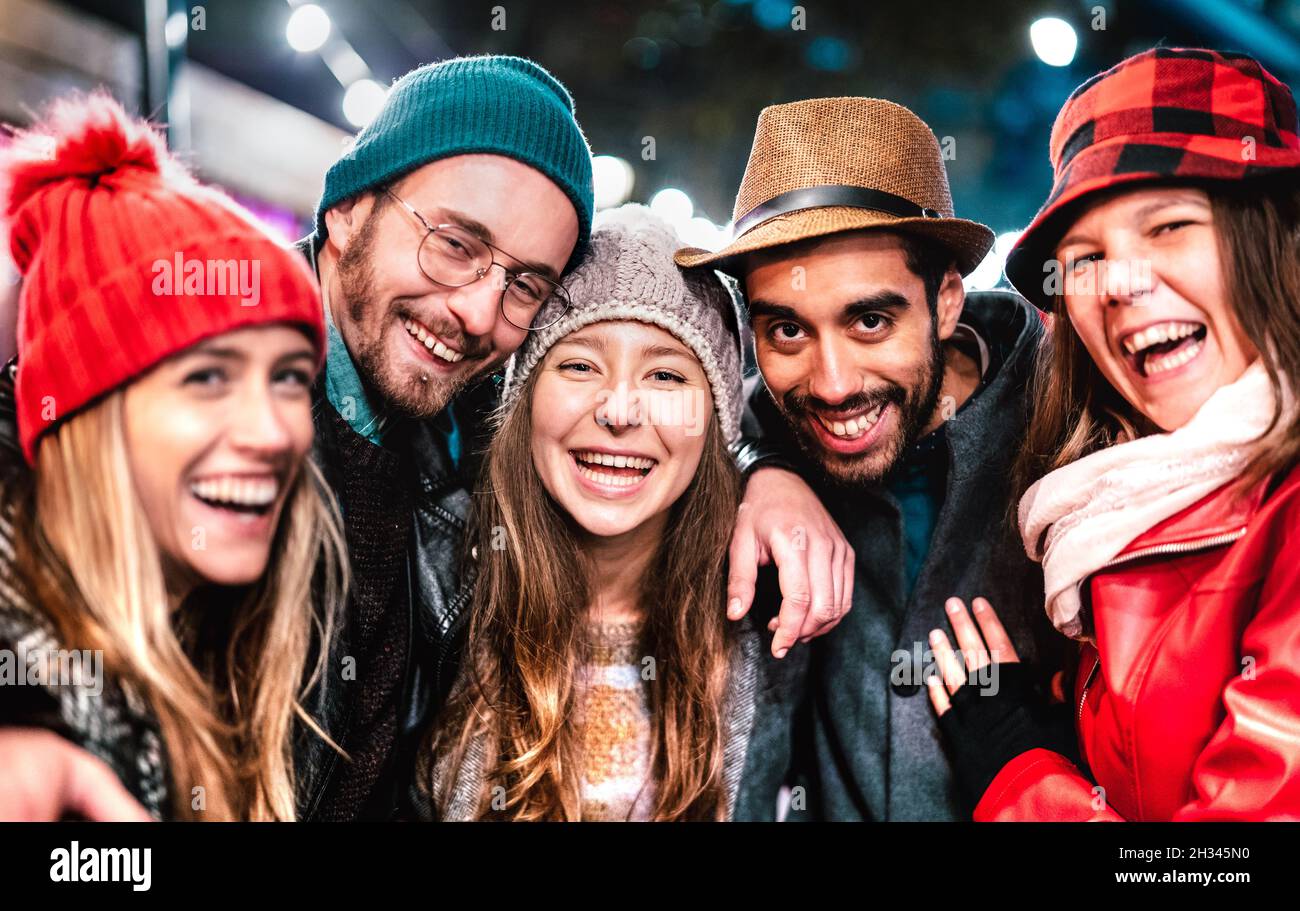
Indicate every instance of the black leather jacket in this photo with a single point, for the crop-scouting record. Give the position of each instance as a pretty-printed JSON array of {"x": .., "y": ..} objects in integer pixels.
[{"x": 436, "y": 609}]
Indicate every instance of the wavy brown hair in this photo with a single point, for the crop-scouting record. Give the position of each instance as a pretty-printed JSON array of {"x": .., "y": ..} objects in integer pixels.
[
  {"x": 1076, "y": 411},
  {"x": 528, "y": 641},
  {"x": 223, "y": 676}
]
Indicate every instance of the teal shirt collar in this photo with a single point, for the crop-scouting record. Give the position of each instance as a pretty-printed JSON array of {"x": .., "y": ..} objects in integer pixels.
[
  {"x": 343, "y": 386},
  {"x": 348, "y": 395}
]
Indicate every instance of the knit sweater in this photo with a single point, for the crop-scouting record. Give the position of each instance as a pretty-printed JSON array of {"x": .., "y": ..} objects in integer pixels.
[
  {"x": 758, "y": 748},
  {"x": 374, "y": 490},
  {"x": 614, "y": 716}
]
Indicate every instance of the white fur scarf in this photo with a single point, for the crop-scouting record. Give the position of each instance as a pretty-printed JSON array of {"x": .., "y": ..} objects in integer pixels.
[{"x": 1088, "y": 511}]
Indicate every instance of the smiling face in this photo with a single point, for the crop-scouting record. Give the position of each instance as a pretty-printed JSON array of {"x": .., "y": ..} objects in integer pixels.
[
  {"x": 609, "y": 442},
  {"x": 1144, "y": 291},
  {"x": 216, "y": 436},
  {"x": 418, "y": 343},
  {"x": 846, "y": 344}
]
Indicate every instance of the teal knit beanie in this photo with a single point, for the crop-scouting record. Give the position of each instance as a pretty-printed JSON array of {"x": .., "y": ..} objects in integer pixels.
[{"x": 490, "y": 104}]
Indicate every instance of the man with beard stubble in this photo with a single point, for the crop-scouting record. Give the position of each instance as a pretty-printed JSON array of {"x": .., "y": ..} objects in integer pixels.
[{"x": 903, "y": 401}]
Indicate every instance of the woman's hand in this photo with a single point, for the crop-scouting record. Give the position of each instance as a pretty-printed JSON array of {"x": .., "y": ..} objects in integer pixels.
[
  {"x": 989, "y": 707},
  {"x": 978, "y": 651}
]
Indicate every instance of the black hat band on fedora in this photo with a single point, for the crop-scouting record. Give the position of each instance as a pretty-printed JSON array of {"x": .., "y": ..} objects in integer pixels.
[{"x": 832, "y": 195}]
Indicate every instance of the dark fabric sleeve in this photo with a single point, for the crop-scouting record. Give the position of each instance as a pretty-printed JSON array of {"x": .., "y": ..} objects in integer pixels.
[{"x": 990, "y": 725}]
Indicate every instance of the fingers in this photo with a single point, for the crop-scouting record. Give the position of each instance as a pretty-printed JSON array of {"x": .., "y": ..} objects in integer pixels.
[
  {"x": 847, "y": 569},
  {"x": 796, "y": 599},
  {"x": 91, "y": 790},
  {"x": 742, "y": 572},
  {"x": 969, "y": 640},
  {"x": 999, "y": 644},
  {"x": 819, "y": 555},
  {"x": 837, "y": 586},
  {"x": 938, "y": 695},
  {"x": 950, "y": 667}
]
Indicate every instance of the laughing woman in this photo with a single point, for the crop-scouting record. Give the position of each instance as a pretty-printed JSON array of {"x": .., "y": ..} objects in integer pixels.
[
  {"x": 160, "y": 517},
  {"x": 602, "y": 680},
  {"x": 1166, "y": 509}
]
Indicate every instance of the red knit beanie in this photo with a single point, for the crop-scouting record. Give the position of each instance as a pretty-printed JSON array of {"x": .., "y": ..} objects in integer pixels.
[{"x": 127, "y": 260}]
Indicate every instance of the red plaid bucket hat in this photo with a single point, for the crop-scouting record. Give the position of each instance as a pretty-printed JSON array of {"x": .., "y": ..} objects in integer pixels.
[{"x": 1168, "y": 114}]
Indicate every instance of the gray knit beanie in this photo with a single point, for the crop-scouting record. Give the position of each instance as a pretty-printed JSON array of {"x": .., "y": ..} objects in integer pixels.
[{"x": 629, "y": 274}]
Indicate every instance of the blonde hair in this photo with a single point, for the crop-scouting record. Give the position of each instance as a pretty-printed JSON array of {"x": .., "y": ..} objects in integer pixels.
[{"x": 223, "y": 683}]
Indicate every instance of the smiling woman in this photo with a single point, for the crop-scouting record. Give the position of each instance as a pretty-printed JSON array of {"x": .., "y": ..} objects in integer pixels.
[
  {"x": 1159, "y": 481},
  {"x": 602, "y": 680},
  {"x": 163, "y": 514}
]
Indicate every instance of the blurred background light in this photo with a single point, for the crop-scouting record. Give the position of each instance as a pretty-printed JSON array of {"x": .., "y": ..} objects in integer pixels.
[
  {"x": 613, "y": 178},
  {"x": 673, "y": 206},
  {"x": 362, "y": 101},
  {"x": 988, "y": 274},
  {"x": 829, "y": 55},
  {"x": 174, "y": 31},
  {"x": 642, "y": 52},
  {"x": 773, "y": 14},
  {"x": 308, "y": 28},
  {"x": 1054, "y": 40},
  {"x": 701, "y": 232}
]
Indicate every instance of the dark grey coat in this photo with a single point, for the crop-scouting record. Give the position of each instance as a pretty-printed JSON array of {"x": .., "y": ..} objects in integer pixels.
[{"x": 876, "y": 752}]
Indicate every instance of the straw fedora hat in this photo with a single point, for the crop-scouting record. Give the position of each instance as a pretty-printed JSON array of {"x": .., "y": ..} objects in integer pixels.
[{"x": 840, "y": 164}]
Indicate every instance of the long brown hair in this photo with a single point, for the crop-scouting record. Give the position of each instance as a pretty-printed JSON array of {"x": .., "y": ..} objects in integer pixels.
[
  {"x": 528, "y": 641},
  {"x": 1075, "y": 409},
  {"x": 223, "y": 676}
]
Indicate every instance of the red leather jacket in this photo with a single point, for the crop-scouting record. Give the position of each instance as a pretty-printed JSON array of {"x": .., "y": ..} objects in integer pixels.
[{"x": 1188, "y": 705}]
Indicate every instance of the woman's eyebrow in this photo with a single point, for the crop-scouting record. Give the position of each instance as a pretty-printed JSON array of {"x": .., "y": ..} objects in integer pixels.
[
  {"x": 213, "y": 349},
  {"x": 1144, "y": 212},
  {"x": 1154, "y": 207},
  {"x": 595, "y": 344},
  {"x": 654, "y": 350}
]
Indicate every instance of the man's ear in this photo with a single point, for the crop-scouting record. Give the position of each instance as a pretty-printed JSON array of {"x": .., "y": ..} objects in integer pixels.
[
  {"x": 344, "y": 219},
  {"x": 951, "y": 299}
]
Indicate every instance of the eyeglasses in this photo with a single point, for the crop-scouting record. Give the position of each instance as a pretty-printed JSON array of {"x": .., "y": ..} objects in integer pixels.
[{"x": 454, "y": 257}]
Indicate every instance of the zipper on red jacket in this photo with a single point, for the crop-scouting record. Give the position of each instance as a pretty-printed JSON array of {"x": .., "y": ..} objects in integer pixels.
[
  {"x": 1087, "y": 683},
  {"x": 1182, "y": 547}
]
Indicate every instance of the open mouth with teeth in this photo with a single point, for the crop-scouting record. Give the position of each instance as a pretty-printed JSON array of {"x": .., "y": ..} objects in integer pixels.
[
  {"x": 851, "y": 428},
  {"x": 244, "y": 496},
  {"x": 1163, "y": 347},
  {"x": 612, "y": 470},
  {"x": 432, "y": 343}
]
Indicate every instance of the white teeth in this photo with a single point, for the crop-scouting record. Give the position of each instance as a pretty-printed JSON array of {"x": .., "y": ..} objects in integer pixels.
[
  {"x": 1155, "y": 335},
  {"x": 613, "y": 461},
  {"x": 611, "y": 480},
  {"x": 430, "y": 341},
  {"x": 237, "y": 490},
  {"x": 1173, "y": 359},
  {"x": 853, "y": 427}
]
